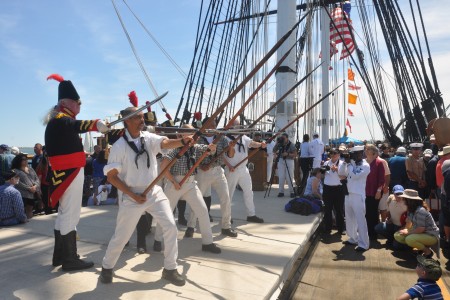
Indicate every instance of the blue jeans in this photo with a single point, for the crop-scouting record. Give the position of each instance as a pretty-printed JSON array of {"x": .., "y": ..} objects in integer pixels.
[{"x": 387, "y": 230}]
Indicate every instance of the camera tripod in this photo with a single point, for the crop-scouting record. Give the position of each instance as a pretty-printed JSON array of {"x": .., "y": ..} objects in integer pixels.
[{"x": 272, "y": 176}]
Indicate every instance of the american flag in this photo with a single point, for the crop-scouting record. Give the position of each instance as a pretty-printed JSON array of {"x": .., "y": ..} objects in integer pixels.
[{"x": 341, "y": 25}]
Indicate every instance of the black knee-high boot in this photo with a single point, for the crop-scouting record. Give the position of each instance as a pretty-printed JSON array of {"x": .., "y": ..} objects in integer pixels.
[
  {"x": 181, "y": 205},
  {"x": 71, "y": 261},
  {"x": 142, "y": 229},
  {"x": 208, "y": 205},
  {"x": 58, "y": 249}
]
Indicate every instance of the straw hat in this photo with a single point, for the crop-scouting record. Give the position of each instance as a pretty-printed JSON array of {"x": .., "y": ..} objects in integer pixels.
[
  {"x": 411, "y": 194},
  {"x": 445, "y": 151}
]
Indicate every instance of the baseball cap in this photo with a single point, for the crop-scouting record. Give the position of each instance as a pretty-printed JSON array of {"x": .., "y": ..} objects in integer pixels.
[
  {"x": 398, "y": 189},
  {"x": 432, "y": 267},
  {"x": 428, "y": 153},
  {"x": 4, "y": 147},
  {"x": 401, "y": 150},
  {"x": 9, "y": 174},
  {"x": 15, "y": 150}
]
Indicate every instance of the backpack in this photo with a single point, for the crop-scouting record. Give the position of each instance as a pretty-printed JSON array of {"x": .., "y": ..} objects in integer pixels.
[{"x": 302, "y": 206}]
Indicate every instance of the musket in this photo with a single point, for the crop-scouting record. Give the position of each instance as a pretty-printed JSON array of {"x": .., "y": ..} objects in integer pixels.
[
  {"x": 270, "y": 108},
  {"x": 238, "y": 113},
  {"x": 253, "y": 152},
  {"x": 137, "y": 110},
  {"x": 224, "y": 104}
]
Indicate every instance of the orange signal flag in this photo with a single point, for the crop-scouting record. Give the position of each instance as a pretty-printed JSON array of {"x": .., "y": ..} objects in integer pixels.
[
  {"x": 351, "y": 75},
  {"x": 352, "y": 98}
]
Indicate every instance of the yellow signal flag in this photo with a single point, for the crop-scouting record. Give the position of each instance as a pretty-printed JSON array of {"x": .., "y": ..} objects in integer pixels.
[
  {"x": 352, "y": 98},
  {"x": 351, "y": 75}
]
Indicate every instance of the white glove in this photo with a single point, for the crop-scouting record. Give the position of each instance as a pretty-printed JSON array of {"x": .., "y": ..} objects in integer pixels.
[
  {"x": 150, "y": 129},
  {"x": 101, "y": 126}
]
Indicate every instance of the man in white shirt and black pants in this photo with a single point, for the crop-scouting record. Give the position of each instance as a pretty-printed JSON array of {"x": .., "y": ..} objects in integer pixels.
[
  {"x": 316, "y": 149},
  {"x": 333, "y": 196}
]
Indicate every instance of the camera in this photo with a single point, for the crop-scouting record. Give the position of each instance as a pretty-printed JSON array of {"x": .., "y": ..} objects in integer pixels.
[
  {"x": 324, "y": 169},
  {"x": 280, "y": 140},
  {"x": 346, "y": 156}
]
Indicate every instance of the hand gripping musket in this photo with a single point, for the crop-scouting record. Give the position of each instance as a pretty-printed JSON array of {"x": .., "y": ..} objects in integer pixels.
[
  {"x": 238, "y": 113},
  {"x": 252, "y": 153},
  {"x": 224, "y": 104},
  {"x": 270, "y": 108},
  {"x": 138, "y": 110}
]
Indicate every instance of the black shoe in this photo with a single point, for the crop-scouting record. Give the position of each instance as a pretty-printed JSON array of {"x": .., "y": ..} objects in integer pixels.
[
  {"x": 157, "y": 246},
  {"x": 292, "y": 195},
  {"x": 211, "y": 248},
  {"x": 182, "y": 221},
  {"x": 255, "y": 219},
  {"x": 141, "y": 250},
  {"x": 174, "y": 277},
  {"x": 106, "y": 275},
  {"x": 189, "y": 232},
  {"x": 348, "y": 243},
  {"x": 360, "y": 249},
  {"x": 71, "y": 261},
  {"x": 280, "y": 195},
  {"x": 229, "y": 232}
]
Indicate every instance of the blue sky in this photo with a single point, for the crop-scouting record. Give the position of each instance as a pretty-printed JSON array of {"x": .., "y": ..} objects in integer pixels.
[{"x": 83, "y": 41}]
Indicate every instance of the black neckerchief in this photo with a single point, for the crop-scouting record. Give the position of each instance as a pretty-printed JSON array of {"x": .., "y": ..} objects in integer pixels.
[
  {"x": 240, "y": 143},
  {"x": 190, "y": 158},
  {"x": 138, "y": 153}
]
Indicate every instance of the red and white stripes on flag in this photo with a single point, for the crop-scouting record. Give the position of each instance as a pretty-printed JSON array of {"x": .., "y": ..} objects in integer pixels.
[
  {"x": 353, "y": 87},
  {"x": 341, "y": 26},
  {"x": 348, "y": 125}
]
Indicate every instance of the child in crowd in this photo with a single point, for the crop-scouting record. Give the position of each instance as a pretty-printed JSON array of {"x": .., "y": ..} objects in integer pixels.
[{"x": 429, "y": 271}]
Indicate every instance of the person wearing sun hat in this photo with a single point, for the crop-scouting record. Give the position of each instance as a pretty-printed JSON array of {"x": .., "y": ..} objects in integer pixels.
[
  {"x": 424, "y": 232},
  {"x": 67, "y": 159},
  {"x": 429, "y": 271}
]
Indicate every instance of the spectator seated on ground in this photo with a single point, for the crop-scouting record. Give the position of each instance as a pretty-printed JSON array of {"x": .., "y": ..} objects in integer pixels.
[
  {"x": 396, "y": 209},
  {"x": 104, "y": 195},
  {"x": 429, "y": 271},
  {"x": 313, "y": 187},
  {"x": 12, "y": 211},
  {"x": 423, "y": 233}
]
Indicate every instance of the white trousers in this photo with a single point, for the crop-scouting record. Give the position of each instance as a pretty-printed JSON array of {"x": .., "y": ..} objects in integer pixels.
[
  {"x": 70, "y": 205},
  {"x": 316, "y": 162},
  {"x": 191, "y": 193},
  {"x": 355, "y": 220},
  {"x": 241, "y": 176},
  {"x": 215, "y": 178},
  {"x": 285, "y": 174},
  {"x": 128, "y": 216},
  {"x": 269, "y": 166}
]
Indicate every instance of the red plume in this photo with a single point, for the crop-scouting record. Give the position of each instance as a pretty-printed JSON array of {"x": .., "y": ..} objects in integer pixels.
[
  {"x": 133, "y": 98},
  {"x": 168, "y": 116},
  {"x": 148, "y": 108},
  {"x": 197, "y": 116},
  {"x": 56, "y": 77}
]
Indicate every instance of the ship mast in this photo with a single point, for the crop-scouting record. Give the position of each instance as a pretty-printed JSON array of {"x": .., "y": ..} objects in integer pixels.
[{"x": 286, "y": 75}]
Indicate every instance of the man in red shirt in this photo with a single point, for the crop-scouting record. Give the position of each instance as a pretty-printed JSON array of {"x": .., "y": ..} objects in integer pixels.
[{"x": 374, "y": 189}]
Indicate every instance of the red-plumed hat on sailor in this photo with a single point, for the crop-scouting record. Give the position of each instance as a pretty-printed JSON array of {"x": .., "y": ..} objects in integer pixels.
[{"x": 66, "y": 90}]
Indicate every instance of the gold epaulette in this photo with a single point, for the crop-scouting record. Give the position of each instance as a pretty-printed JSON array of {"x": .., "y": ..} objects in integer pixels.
[{"x": 60, "y": 115}]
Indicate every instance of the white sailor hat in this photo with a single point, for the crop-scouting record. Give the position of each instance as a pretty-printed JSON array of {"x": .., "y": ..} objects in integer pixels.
[
  {"x": 416, "y": 145},
  {"x": 432, "y": 137},
  {"x": 401, "y": 150},
  {"x": 357, "y": 149}
]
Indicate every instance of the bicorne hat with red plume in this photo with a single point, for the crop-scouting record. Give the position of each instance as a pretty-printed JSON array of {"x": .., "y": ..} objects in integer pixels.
[{"x": 66, "y": 90}]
